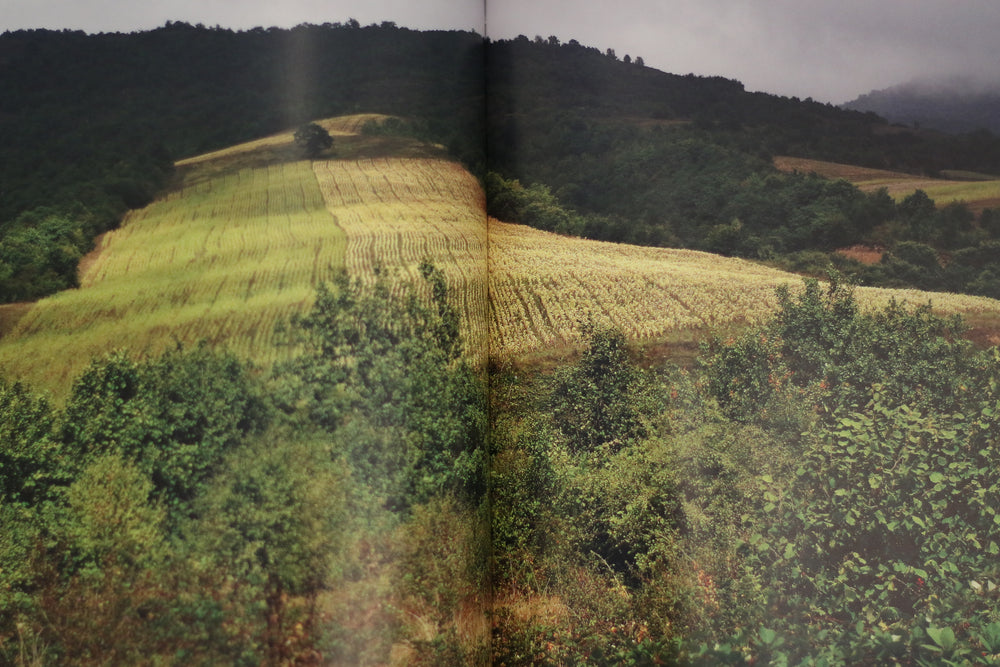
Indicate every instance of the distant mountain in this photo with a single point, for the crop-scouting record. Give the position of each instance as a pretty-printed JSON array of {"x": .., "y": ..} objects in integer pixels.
[{"x": 953, "y": 105}]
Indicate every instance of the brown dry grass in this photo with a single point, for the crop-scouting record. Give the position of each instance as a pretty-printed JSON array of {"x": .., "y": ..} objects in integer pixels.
[
  {"x": 836, "y": 170},
  {"x": 11, "y": 314},
  {"x": 863, "y": 253}
]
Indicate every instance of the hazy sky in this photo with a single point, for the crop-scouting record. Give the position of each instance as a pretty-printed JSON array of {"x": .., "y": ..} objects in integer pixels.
[{"x": 831, "y": 50}]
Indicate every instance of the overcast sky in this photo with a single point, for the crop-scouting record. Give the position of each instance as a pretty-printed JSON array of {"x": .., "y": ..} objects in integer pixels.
[{"x": 831, "y": 50}]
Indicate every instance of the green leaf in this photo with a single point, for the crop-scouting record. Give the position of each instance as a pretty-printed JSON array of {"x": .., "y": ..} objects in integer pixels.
[{"x": 943, "y": 637}]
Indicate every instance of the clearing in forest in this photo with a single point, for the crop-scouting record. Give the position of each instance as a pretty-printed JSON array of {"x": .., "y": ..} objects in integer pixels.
[{"x": 979, "y": 191}]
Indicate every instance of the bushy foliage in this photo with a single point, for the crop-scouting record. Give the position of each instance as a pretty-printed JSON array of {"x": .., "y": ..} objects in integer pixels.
[
  {"x": 39, "y": 253},
  {"x": 383, "y": 376},
  {"x": 885, "y": 537},
  {"x": 593, "y": 403},
  {"x": 823, "y": 341},
  {"x": 276, "y": 520},
  {"x": 510, "y": 201},
  {"x": 28, "y": 452},
  {"x": 312, "y": 139},
  {"x": 175, "y": 416}
]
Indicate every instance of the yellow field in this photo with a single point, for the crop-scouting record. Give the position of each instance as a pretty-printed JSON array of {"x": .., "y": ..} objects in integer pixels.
[
  {"x": 543, "y": 287},
  {"x": 242, "y": 242},
  {"x": 977, "y": 194},
  {"x": 397, "y": 212},
  {"x": 222, "y": 260}
]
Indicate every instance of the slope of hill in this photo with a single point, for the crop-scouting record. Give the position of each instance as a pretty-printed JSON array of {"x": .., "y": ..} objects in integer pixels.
[
  {"x": 544, "y": 288},
  {"x": 241, "y": 244},
  {"x": 952, "y": 105},
  {"x": 651, "y": 157},
  {"x": 979, "y": 192}
]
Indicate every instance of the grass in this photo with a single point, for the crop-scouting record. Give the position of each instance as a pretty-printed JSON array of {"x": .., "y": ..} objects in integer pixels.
[
  {"x": 242, "y": 241},
  {"x": 979, "y": 191},
  {"x": 544, "y": 287},
  {"x": 222, "y": 260}
]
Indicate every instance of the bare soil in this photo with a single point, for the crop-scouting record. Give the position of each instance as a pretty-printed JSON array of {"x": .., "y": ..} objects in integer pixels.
[
  {"x": 11, "y": 314},
  {"x": 863, "y": 253}
]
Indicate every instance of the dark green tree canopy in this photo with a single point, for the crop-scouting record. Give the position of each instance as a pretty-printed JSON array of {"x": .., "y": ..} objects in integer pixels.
[{"x": 312, "y": 139}]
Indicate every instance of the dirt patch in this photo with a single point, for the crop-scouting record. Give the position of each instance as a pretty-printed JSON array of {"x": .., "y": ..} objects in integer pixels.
[
  {"x": 11, "y": 314},
  {"x": 981, "y": 205},
  {"x": 836, "y": 170},
  {"x": 88, "y": 260},
  {"x": 863, "y": 253}
]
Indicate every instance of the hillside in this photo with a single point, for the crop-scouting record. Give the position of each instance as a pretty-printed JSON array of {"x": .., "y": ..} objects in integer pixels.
[
  {"x": 955, "y": 105},
  {"x": 645, "y": 156},
  {"x": 544, "y": 287},
  {"x": 978, "y": 191},
  {"x": 246, "y": 235},
  {"x": 242, "y": 241}
]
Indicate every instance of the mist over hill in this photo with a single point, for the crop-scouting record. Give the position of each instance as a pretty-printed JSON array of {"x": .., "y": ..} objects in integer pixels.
[{"x": 953, "y": 104}]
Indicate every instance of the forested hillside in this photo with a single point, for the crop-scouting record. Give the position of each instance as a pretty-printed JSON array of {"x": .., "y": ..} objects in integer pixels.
[
  {"x": 93, "y": 124},
  {"x": 585, "y": 143},
  {"x": 955, "y": 104}
]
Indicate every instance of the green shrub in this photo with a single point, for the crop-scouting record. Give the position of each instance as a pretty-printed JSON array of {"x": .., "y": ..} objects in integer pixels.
[
  {"x": 889, "y": 528},
  {"x": 175, "y": 416}
]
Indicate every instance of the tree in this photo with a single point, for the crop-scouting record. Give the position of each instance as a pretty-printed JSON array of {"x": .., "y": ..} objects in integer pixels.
[
  {"x": 383, "y": 374},
  {"x": 312, "y": 139},
  {"x": 593, "y": 402}
]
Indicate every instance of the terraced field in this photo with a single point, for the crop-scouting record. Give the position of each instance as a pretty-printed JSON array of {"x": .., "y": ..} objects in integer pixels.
[
  {"x": 397, "y": 212},
  {"x": 222, "y": 260},
  {"x": 241, "y": 245}
]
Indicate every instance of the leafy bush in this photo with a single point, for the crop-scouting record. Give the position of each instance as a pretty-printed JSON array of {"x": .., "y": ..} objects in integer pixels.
[
  {"x": 382, "y": 375},
  {"x": 823, "y": 340},
  {"x": 28, "y": 453},
  {"x": 175, "y": 416},
  {"x": 594, "y": 402},
  {"x": 888, "y": 528}
]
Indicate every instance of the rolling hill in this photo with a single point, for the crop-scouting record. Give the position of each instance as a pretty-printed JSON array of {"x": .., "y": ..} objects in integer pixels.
[{"x": 243, "y": 239}]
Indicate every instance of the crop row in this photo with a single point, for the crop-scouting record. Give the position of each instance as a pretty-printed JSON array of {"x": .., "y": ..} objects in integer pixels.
[
  {"x": 398, "y": 212},
  {"x": 543, "y": 287},
  {"x": 221, "y": 260}
]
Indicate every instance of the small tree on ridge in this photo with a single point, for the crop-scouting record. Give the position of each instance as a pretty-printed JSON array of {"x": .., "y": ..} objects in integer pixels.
[{"x": 313, "y": 139}]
